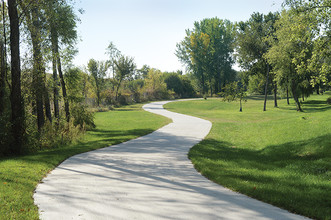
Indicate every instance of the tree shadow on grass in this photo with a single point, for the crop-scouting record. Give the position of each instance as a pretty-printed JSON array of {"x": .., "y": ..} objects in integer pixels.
[
  {"x": 294, "y": 175},
  {"x": 116, "y": 133},
  {"x": 260, "y": 97},
  {"x": 315, "y": 106},
  {"x": 102, "y": 138}
]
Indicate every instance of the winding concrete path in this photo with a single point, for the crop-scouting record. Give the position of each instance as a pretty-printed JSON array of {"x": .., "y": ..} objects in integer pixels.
[{"x": 146, "y": 178}]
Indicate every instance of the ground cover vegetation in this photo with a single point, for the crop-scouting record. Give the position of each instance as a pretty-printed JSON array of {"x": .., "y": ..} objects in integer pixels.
[
  {"x": 282, "y": 157},
  {"x": 46, "y": 102},
  {"x": 20, "y": 175}
]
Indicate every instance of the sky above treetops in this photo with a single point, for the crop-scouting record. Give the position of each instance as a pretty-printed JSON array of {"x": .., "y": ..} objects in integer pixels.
[{"x": 148, "y": 30}]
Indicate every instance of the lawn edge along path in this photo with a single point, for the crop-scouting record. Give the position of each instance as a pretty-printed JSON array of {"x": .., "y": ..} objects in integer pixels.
[
  {"x": 20, "y": 175},
  {"x": 146, "y": 178}
]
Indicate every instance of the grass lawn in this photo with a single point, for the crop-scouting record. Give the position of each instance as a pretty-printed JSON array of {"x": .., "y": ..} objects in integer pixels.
[
  {"x": 20, "y": 175},
  {"x": 280, "y": 156}
]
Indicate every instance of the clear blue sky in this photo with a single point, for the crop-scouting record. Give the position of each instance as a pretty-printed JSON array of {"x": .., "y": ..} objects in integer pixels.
[{"x": 148, "y": 30}]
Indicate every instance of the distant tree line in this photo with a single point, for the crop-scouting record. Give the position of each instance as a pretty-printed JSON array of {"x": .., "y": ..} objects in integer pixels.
[
  {"x": 46, "y": 102},
  {"x": 280, "y": 53}
]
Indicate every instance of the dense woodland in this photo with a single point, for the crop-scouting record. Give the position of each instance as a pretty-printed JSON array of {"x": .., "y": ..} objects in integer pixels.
[{"x": 46, "y": 102}]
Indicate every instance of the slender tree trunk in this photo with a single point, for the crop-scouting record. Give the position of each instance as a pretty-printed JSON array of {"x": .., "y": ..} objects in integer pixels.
[
  {"x": 47, "y": 102},
  {"x": 2, "y": 77},
  {"x": 38, "y": 77},
  {"x": 275, "y": 94},
  {"x": 211, "y": 89},
  {"x": 317, "y": 89},
  {"x": 64, "y": 90},
  {"x": 17, "y": 106},
  {"x": 3, "y": 64},
  {"x": 98, "y": 93},
  {"x": 118, "y": 87},
  {"x": 266, "y": 90},
  {"x": 241, "y": 108},
  {"x": 295, "y": 96},
  {"x": 287, "y": 96},
  {"x": 55, "y": 77},
  {"x": 203, "y": 84}
]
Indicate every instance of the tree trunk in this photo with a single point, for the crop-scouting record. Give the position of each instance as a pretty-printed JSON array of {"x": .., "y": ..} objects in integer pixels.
[
  {"x": 98, "y": 93},
  {"x": 275, "y": 94},
  {"x": 203, "y": 84},
  {"x": 211, "y": 89},
  {"x": 55, "y": 77},
  {"x": 118, "y": 87},
  {"x": 287, "y": 97},
  {"x": 38, "y": 78},
  {"x": 17, "y": 106},
  {"x": 2, "y": 77},
  {"x": 266, "y": 90},
  {"x": 64, "y": 90},
  {"x": 47, "y": 102},
  {"x": 295, "y": 96},
  {"x": 317, "y": 89},
  {"x": 241, "y": 108}
]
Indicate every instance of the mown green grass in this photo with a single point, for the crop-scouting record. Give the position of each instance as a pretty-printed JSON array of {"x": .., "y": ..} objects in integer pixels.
[
  {"x": 20, "y": 175},
  {"x": 280, "y": 156}
]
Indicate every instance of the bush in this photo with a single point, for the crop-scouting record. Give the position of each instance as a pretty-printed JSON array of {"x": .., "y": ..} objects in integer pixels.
[
  {"x": 52, "y": 135},
  {"x": 328, "y": 101},
  {"x": 82, "y": 117}
]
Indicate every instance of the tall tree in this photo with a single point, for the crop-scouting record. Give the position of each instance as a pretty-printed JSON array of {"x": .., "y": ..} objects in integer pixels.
[
  {"x": 124, "y": 68},
  {"x": 3, "y": 62},
  {"x": 98, "y": 71},
  {"x": 17, "y": 106},
  {"x": 320, "y": 61},
  {"x": 207, "y": 51},
  {"x": 292, "y": 50},
  {"x": 2, "y": 77},
  {"x": 33, "y": 18},
  {"x": 62, "y": 28},
  {"x": 252, "y": 46},
  {"x": 113, "y": 54}
]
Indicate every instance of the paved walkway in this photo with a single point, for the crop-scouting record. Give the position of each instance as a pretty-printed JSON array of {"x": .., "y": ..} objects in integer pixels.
[{"x": 146, "y": 178}]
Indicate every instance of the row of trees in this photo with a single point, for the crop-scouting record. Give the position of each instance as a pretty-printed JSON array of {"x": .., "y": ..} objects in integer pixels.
[
  {"x": 207, "y": 52},
  {"x": 288, "y": 50},
  {"x": 47, "y": 31},
  {"x": 44, "y": 99},
  {"x": 117, "y": 81}
]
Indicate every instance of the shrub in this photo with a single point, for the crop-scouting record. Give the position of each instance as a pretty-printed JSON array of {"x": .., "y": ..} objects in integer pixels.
[
  {"x": 82, "y": 117},
  {"x": 328, "y": 101}
]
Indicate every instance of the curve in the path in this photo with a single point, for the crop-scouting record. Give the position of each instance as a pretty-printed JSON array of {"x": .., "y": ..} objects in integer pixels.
[{"x": 146, "y": 178}]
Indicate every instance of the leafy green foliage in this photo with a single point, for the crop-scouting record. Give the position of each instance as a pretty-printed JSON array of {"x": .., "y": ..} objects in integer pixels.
[
  {"x": 291, "y": 51},
  {"x": 82, "y": 117},
  {"x": 233, "y": 92},
  {"x": 319, "y": 63},
  {"x": 125, "y": 69},
  {"x": 180, "y": 84},
  {"x": 98, "y": 71},
  {"x": 207, "y": 53},
  {"x": 155, "y": 88}
]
